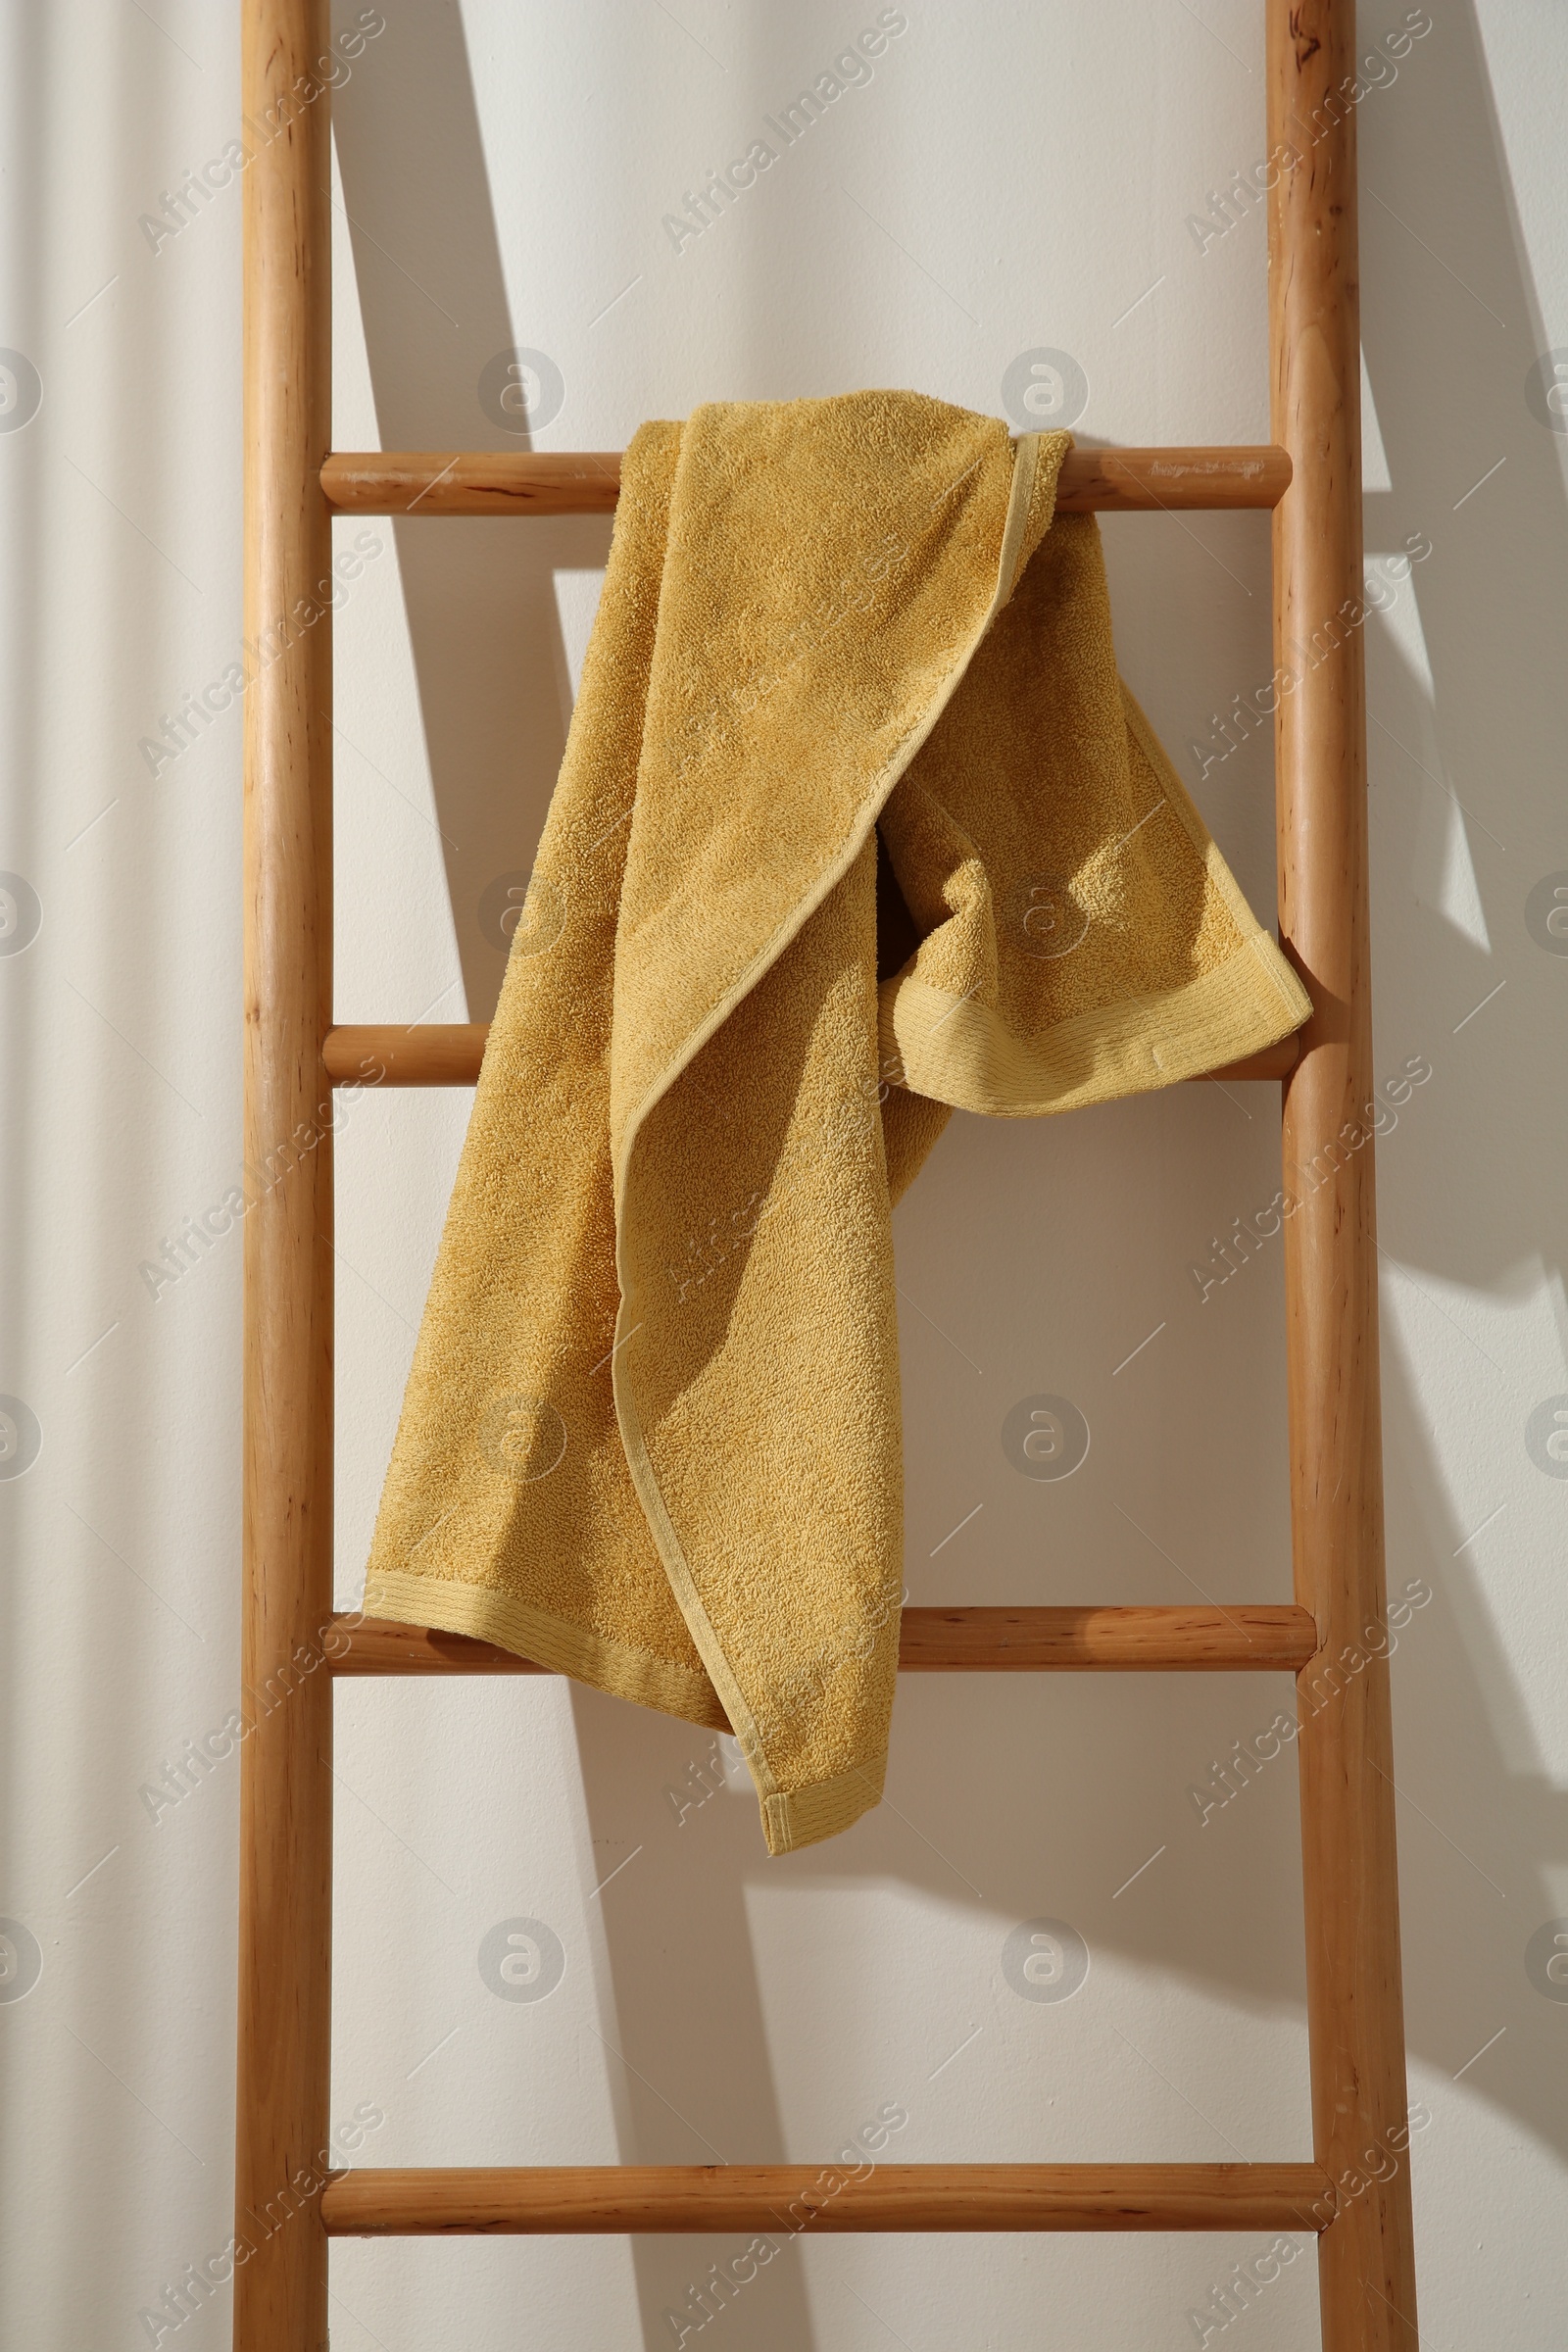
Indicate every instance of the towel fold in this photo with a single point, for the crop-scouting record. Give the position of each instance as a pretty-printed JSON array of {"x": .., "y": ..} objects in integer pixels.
[{"x": 651, "y": 1435}]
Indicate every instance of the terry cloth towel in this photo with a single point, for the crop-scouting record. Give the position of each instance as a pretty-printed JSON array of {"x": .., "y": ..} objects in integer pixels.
[{"x": 651, "y": 1435}]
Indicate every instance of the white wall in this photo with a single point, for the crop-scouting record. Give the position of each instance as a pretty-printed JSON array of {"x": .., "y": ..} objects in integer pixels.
[{"x": 1013, "y": 178}]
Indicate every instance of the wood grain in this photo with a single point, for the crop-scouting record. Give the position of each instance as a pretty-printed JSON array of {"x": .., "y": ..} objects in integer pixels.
[
  {"x": 550, "y": 482},
  {"x": 509, "y": 481},
  {"x": 1354, "y": 2004},
  {"x": 780, "y": 2198},
  {"x": 285, "y": 1777},
  {"x": 1244, "y": 1635},
  {"x": 436, "y": 1053}
]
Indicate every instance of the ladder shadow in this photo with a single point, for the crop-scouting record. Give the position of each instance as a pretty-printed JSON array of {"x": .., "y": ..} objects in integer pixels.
[
  {"x": 495, "y": 691},
  {"x": 1491, "y": 602},
  {"x": 484, "y": 627},
  {"x": 673, "y": 1816}
]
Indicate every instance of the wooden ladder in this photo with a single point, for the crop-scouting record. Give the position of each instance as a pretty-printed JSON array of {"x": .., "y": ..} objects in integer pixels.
[{"x": 1355, "y": 2192}]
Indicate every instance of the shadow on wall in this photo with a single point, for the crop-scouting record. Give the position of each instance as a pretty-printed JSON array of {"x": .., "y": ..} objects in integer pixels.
[
  {"x": 1483, "y": 478},
  {"x": 1492, "y": 604},
  {"x": 489, "y": 659},
  {"x": 495, "y": 696}
]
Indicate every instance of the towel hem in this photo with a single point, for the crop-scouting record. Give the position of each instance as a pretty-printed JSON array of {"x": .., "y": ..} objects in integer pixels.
[
  {"x": 796, "y": 1817},
  {"x": 958, "y": 1051},
  {"x": 448, "y": 1606}
]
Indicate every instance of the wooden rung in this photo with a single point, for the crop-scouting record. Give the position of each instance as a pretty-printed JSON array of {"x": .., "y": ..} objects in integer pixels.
[
  {"x": 523, "y": 482},
  {"x": 549, "y": 2200},
  {"x": 382, "y": 1053},
  {"x": 956, "y": 1640},
  {"x": 1107, "y": 1640}
]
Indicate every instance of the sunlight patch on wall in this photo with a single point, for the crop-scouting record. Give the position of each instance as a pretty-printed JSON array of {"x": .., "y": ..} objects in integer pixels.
[
  {"x": 1485, "y": 1372},
  {"x": 578, "y": 596},
  {"x": 1375, "y": 474},
  {"x": 1443, "y": 872}
]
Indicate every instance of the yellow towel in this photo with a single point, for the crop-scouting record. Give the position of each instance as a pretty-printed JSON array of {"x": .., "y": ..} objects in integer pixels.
[{"x": 652, "y": 1437}]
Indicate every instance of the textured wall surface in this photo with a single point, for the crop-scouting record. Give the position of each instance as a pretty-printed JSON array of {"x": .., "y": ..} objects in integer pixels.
[{"x": 1001, "y": 205}]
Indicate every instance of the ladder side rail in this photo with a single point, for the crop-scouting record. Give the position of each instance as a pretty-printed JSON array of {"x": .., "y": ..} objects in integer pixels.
[
  {"x": 283, "y": 2158},
  {"x": 1354, "y": 2003}
]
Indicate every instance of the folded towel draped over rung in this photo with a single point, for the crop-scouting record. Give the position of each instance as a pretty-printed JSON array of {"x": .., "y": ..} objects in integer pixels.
[{"x": 856, "y": 825}]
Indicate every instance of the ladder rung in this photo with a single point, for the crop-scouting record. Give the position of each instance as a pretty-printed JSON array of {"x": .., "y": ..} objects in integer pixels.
[
  {"x": 551, "y": 2200},
  {"x": 954, "y": 1640},
  {"x": 375, "y": 481},
  {"x": 385, "y": 1053}
]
